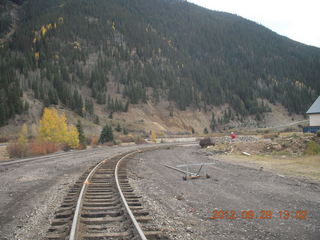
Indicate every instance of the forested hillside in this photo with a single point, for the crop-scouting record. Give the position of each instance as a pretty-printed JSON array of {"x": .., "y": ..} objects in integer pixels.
[{"x": 151, "y": 50}]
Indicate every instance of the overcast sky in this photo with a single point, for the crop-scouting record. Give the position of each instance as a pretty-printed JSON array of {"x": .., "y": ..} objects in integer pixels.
[{"x": 296, "y": 19}]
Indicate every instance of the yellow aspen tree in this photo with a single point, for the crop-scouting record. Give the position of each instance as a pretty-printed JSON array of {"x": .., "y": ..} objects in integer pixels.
[
  {"x": 23, "y": 135},
  {"x": 62, "y": 129},
  {"x": 53, "y": 128},
  {"x": 43, "y": 30},
  {"x": 153, "y": 136},
  {"x": 37, "y": 56},
  {"x": 73, "y": 137}
]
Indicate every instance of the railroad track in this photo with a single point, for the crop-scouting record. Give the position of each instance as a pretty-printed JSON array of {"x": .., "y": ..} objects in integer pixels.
[{"x": 102, "y": 205}]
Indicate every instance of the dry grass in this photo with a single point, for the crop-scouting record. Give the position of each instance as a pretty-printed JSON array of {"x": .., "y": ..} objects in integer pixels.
[
  {"x": 302, "y": 166},
  {"x": 35, "y": 148},
  {"x": 126, "y": 138},
  {"x": 42, "y": 148},
  {"x": 92, "y": 141},
  {"x": 139, "y": 140},
  {"x": 313, "y": 148},
  {"x": 17, "y": 150},
  {"x": 3, "y": 153}
]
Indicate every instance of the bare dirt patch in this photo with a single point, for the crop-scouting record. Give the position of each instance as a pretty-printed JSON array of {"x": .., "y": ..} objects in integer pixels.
[{"x": 183, "y": 208}]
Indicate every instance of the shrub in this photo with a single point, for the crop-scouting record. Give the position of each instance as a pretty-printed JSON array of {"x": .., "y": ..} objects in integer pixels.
[
  {"x": 4, "y": 139},
  {"x": 92, "y": 141},
  {"x": 109, "y": 144},
  {"x": 312, "y": 148},
  {"x": 318, "y": 133},
  {"x": 42, "y": 148},
  {"x": 139, "y": 140},
  {"x": 35, "y": 148},
  {"x": 126, "y": 138},
  {"x": 117, "y": 142},
  {"x": 270, "y": 136},
  {"x": 17, "y": 150},
  {"x": 153, "y": 137}
]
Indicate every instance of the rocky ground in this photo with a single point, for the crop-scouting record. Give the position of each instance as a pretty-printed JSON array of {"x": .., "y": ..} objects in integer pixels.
[
  {"x": 183, "y": 208},
  {"x": 30, "y": 192}
]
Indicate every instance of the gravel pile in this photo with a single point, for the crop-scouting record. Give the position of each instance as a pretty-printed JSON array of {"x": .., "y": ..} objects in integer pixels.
[
  {"x": 227, "y": 139},
  {"x": 291, "y": 145}
]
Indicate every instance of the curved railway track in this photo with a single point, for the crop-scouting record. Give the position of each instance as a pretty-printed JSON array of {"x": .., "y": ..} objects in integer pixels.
[{"x": 102, "y": 205}]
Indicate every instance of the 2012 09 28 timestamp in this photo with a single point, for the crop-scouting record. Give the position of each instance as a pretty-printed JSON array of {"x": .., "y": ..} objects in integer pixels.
[{"x": 259, "y": 214}]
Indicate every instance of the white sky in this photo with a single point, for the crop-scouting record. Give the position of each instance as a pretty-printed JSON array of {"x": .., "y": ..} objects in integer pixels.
[{"x": 296, "y": 19}]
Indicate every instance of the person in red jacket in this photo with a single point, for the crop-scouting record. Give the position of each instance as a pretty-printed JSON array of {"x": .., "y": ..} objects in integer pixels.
[{"x": 233, "y": 135}]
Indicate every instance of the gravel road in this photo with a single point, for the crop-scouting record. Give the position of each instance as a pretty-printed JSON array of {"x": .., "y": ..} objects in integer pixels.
[
  {"x": 31, "y": 191},
  {"x": 184, "y": 208}
]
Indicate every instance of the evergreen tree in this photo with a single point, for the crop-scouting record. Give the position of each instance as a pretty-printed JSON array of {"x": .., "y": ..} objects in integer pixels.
[
  {"x": 82, "y": 137},
  {"x": 118, "y": 128},
  {"x": 106, "y": 134},
  {"x": 97, "y": 120},
  {"x": 126, "y": 108},
  {"x": 213, "y": 122}
]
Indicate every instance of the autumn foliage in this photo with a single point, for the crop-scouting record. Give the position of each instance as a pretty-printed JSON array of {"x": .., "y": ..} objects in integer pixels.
[
  {"x": 54, "y": 134},
  {"x": 153, "y": 137},
  {"x": 54, "y": 128}
]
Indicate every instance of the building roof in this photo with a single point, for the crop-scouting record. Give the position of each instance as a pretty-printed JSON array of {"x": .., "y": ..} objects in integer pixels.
[{"x": 315, "y": 107}]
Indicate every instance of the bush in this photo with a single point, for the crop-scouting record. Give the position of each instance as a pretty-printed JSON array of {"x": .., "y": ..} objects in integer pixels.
[
  {"x": 92, "y": 141},
  {"x": 312, "y": 148},
  {"x": 66, "y": 147},
  {"x": 109, "y": 144},
  {"x": 42, "y": 148},
  {"x": 318, "y": 133},
  {"x": 117, "y": 142},
  {"x": 139, "y": 140},
  {"x": 126, "y": 138},
  {"x": 270, "y": 136},
  {"x": 16, "y": 150},
  {"x": 4, "y": 139}
]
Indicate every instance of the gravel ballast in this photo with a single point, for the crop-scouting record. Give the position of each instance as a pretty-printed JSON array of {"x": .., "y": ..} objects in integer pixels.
[
  {"x": 31, "y": 191},
  {"x": 183, "y": 208}
]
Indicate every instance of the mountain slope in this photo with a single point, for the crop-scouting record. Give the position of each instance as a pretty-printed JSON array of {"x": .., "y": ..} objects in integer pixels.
[{"x": 69, "y": 52}]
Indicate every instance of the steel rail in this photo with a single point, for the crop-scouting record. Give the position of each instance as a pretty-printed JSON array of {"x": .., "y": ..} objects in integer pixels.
[
  {"x": 76, "y": 217},
  {"x": 133, "y": 219}
]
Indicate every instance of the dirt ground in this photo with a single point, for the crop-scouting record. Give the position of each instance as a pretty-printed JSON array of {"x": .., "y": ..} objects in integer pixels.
[
  {"x": 305, "y": 167},
  {"x": 183, "y": 208},
  {"x": 30, "y": 192}
]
